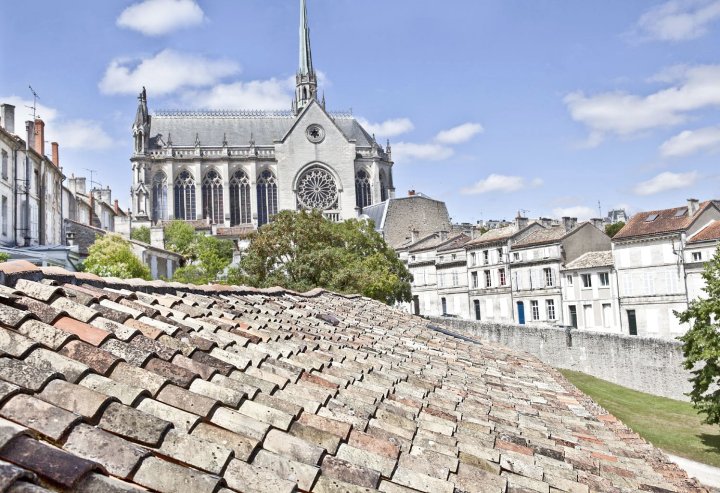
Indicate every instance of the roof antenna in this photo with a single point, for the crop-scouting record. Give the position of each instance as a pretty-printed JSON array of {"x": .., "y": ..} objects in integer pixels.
[
  {"x": 599, "y": 210},
  {"x": 34, "y": 106}
]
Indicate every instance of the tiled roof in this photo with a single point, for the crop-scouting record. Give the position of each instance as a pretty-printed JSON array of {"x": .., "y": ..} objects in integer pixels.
[
  {"x": 110, "y": 385},
  {"x": 494, "y": 235},
  {"x": 708, "y": 233},
  {"x": 591, "y": 259},
  {"x": 541, "y": 236},
  {"x": 455, "y": 243},
  {"x": 665, "y": 221}
]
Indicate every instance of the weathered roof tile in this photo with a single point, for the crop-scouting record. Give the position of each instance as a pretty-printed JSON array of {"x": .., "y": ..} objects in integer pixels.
[
  {"x": 24, "y": 375},
  {"x": 134, "y": 424},
  {"x": 303, "y": 474},
  {"x": 85, "y": 332},
  {"x": 252, "y": 479},
  {"x": 120, "y": 457},
  {"x": 161, "y": 475}
]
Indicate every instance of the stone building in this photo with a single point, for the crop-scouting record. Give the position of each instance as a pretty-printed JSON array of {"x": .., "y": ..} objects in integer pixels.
[
  {"x": 536, "y": 261},
  {"x": 488, "y": 270},
  {"x": 452, "y": 280},
  {"x": 700, "y": 249},
  {"x": 650, "y": 258},
  {"x": 239, "y": 168},
  {"x": 402, "y": 221},
  {"x": 590, "y": 292},
  {"x": 30, "y": 185}
]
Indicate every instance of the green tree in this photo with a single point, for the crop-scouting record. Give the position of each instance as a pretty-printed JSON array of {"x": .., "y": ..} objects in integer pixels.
[
  {"x": 211, "y": 257},
  {"x": 701, "y": 344},
  {"x": 612, "y": 229},
  {"x": 111, "y": 256},
  {"x": 179, "y": 238},
  {"x": 4, "y": 257},
  {"x": 302, "y": 251},
  {"x": 141, "y": 234}
]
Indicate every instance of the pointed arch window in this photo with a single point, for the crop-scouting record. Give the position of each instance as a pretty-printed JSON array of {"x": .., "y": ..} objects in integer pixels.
[
  {"x": 363, "y": 192},
  {"x": 240, "y": 212},
  {"x": 185, "y": 197},
  {"x": 383, "y": 187},
  {"x": 267, "y": 197},
  {"x": 159, "y": 197},
  {"x": 212, "y": 197}
]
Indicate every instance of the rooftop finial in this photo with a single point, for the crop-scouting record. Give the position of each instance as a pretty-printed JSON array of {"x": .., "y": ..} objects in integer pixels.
[{"x": 306, "y": 65}]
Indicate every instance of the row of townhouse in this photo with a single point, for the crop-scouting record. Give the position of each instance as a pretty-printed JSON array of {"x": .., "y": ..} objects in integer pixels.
[{"x": 570, "y": 274}]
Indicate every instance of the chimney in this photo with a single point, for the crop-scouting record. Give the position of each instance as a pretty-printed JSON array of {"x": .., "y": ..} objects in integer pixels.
[
  {"x": 521, "y": 222},
  {"x": 411, "y": 193},
  {"x": 693, "y": 206},
  {"x": 546, "y": 222},
  {"x": 414, "y": 235},
  {"x": 443, "y": 235},
  {"x": 7, "y": 114},
  {"x": 55, "y": 154},
  {"x": 77, "y": 185},
  {"x": 117, "y": 207},
  {"x": 40, "y": 136},
  {"x": 569, "y": 223},
  {"x": 30, "y": 133},
  {"x": 598, "y": 223}
]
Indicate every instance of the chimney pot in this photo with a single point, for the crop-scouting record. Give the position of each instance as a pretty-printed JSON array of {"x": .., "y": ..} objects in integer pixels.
[
  {"x": 411, "y": 193},
  {"x": 569, "y": 223},
  {"x": 40, "y": 136},
  {"x": 55, "y": 154},
  {"x": 7, "y": 114}
]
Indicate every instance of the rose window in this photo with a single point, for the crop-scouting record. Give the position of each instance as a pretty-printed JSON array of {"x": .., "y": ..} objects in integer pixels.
[{"x": 317, "y": 190}]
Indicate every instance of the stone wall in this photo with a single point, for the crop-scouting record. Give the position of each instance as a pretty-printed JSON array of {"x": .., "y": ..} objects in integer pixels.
[
  {"x": 419, "y": 213},
  {"x": 649, "y": 365}
]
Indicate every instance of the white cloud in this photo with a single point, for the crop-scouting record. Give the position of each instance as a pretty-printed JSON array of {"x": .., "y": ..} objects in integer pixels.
[
  {"x": 460, "y": 134},
  {"x": 70, "y": 134},
  {"x": 583, "y": 213},
  {"x": 666, "y": 181},
  {"x": 678, "y": 20},
  {"x": 501, "y": 183},
  {"x": 158, "y": 17},
  {"x": 388, "y": 128},
  {"x": 691, "y": 141},
  {"x": 406, "y": 151},
  {"x": 272, "y": 94},
  {"x": 81, "y": 134},
  {"x": 164, "y": 73},
  {"x": 623, "y": 114}
]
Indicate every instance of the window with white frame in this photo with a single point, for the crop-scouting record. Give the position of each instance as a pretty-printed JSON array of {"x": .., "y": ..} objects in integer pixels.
[
  {"x": 4, "y": 165},
  {"x": 697, "y": 256},
  {"x": 501, "y": 275},
  {"x": 604, "y": 279},
  {"x": 473, "y": 258},
  {"x": 486, "y": 257},
  {"x": 535, "y": 309},
  {"x": 4, "y": 216},
  {"x": 548, "y": 275},
  {"x": 474, "y": 277},
  {"x": 550, "y": 308},
  {"x": 516, "y": 256},
  {"x": 455, "y": 278},
  {"x": 499, "y": 255},
  {"x": 586, "y": 280},
  {"x": 569, "y": 278},
  {"x": 488, "y": 279}
]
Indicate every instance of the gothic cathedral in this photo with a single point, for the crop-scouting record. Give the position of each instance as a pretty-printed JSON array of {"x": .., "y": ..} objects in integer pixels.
[{"x": 239, "y": 168}]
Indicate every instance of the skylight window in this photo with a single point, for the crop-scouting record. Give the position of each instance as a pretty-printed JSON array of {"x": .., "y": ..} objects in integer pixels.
[
  {"x": 681, "y": 212},
  {"x": 651, "y": 218}
]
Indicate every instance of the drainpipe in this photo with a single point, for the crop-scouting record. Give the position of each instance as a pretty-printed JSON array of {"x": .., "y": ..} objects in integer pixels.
[
  {"x": 29, "y": 127},
  {"x": 16, "y": 148}
]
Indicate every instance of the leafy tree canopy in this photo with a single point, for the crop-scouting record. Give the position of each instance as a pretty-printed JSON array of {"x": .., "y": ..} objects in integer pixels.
[
  {"x": 302, "y": 251},
  {"x": 179, "y": 238},
  {"x": 110, "y": 256},
  {"x": 211, "y": 256},
  {"x": 612, "y": 229},
  {"x": 4, "y": 257},
  {"x": 701, "y": 344},
  {"x": 141, "y": 234}
]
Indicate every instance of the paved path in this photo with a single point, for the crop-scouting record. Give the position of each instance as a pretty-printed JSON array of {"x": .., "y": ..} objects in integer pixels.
[{"x": 707, "y": 475}]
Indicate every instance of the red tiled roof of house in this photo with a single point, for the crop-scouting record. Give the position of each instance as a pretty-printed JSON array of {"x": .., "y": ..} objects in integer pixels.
[
  {"x": 708, "y": 233},
  {"x": 128, "y": 385},
  {"x": 661, "y": 221}
]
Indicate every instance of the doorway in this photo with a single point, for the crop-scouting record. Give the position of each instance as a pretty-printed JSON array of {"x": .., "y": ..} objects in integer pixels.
[{"x": 521, "y": 312}]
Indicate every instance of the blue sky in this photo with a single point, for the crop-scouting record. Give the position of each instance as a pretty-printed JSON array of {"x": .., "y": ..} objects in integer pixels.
[{"x": 491, "y": 106}]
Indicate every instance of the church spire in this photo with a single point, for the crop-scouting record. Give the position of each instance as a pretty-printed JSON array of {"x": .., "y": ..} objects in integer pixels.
[{"x": 306, "y": 80}]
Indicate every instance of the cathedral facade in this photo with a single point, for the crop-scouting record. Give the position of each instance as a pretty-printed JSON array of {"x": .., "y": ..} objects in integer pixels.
[{"x": 239, "y": 168}]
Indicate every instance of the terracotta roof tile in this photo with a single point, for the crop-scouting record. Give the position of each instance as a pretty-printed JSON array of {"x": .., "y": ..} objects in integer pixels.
[
  {"x": 660, "y": 221},
  {"x": 366, "y": 399},
  {"x": 708, "y": 233}
]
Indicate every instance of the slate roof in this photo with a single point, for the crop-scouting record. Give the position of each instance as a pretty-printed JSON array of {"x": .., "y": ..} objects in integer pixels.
[
  {"x": 667, "y": 221},
  {"x": 455, "y": 243},
  {"x": 590, "y": 260},
  {"x": 110, "y": 385},
  {"x": 239, "y": 128},
  {"x": 708, "y": 233}
]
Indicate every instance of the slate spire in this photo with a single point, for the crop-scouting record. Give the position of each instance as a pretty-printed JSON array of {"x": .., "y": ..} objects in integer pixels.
[{"x": 306, "y": 80}]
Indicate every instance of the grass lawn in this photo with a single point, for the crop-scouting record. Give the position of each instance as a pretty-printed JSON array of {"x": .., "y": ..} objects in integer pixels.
[{"x": 670, "y": 425}]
